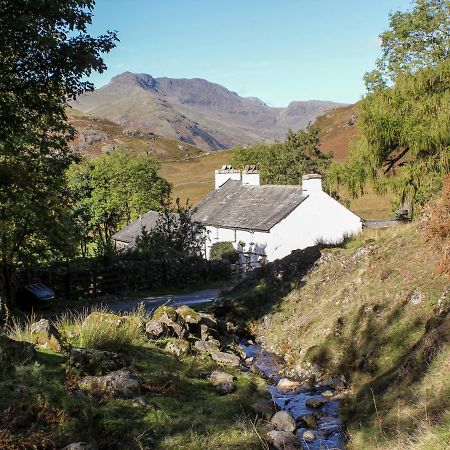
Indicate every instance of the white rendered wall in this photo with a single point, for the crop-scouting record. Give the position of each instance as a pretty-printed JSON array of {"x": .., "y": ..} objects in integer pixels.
[
  {"x": 251, "y": 179},
  {"x": 222, "y": 178},
  {"x": 319, "y": 218}
]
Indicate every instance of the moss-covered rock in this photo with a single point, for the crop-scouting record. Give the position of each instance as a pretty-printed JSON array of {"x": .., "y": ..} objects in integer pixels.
[
  {"x": 162, "y": 310},
  {"x": 14, "y": 352},
  {"x": 189, "y": 315}
]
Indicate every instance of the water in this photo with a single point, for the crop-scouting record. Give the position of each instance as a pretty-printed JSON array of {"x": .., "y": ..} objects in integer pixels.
[{"x": 330, "y": 432}]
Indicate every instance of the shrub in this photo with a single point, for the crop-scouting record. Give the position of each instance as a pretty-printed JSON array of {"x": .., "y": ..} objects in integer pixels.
[
  {"x": 436, "y": 225},
  {"x": 224, "y": 250},
  {"x": 102, "y": 330}
]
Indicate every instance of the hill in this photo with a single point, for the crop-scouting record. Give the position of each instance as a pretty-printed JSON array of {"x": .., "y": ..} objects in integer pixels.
[
  {"x": 97, "y": 136},
  {"x": 382, "y": 322},
  {"x": 338, "y": 130},
  {"x": 195, "y": 111}
]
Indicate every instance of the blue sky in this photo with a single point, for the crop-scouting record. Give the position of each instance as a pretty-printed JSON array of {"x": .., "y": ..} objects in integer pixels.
[{"x": 277, "y": 50}]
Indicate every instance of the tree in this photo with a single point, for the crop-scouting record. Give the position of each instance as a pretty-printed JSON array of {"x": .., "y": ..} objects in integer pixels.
[
  {"x": 46, "y": 54},
  {"x": 175, "y": 233},
  {"x": 111, "y": 191},
  {"x": 405, "y": 127},
  {"x": 286, "y": 162}
]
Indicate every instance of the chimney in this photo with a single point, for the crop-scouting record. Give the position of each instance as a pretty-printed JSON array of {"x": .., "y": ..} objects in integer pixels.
[
  {"x": 312, "y": 183},
  {"x": 226, "y": 173},
  {"x": 250, "y": 176}
]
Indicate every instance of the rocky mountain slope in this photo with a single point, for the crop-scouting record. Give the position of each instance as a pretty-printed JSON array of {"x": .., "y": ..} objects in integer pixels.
[{"x": 195, "y": 111}]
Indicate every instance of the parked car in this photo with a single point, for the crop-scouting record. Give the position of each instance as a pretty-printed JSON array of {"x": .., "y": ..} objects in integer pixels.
[{"x": 35, "y": 295}]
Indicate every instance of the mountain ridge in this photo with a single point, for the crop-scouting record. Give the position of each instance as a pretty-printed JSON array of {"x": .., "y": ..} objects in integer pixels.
[{"x": 196, "y": 111}]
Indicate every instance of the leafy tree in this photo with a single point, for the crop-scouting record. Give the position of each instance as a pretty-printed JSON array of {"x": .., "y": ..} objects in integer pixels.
[
  {"x": 405, "y": 127},
  {"x": 286, "y": 162},
  {"x": 45, "y": 54},
  {"x": 224, "y": 250},
  {"x": 111, "y": 191},
  {"x": 175, "y": 233}
]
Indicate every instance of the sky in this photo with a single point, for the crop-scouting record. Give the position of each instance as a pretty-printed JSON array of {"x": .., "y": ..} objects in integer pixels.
[{"x": 276, "y": 50}]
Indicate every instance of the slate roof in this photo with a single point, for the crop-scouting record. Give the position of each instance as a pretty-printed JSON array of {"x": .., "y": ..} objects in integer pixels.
[
  {"x": 238, "y": 206},
  {"x": 133, "y": 230}
]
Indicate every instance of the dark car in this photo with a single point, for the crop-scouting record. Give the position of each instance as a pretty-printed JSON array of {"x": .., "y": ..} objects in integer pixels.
[{"x": 35, "y": 295}]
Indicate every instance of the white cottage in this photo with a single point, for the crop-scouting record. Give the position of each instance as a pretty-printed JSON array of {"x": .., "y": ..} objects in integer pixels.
[{"x": 267, "y": 222}]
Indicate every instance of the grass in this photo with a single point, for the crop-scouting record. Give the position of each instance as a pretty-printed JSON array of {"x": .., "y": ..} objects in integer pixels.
[
  {"x": 393, "y": 349},
  {"x": 39, "y": 403}
]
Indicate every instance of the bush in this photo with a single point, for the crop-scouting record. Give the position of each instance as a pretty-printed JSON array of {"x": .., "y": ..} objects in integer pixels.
[
  {"x": 436, "y": 224},
  {"x": 224, "y": 250},
  {"x": 102, "y": 330}
]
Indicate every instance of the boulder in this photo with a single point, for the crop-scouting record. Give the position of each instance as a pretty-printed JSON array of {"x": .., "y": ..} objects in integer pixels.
[
  {"x": 167, "y": 311},
  {"x": 118, "y": 384},
  {"x": 327, "y": 394},
  {"x": 309, "y": 436},
  {"x": 175, "y": 328},
  {"x": 178, "y": 348},
  {"x": 310, "y": 421},
  {"x": 315, "y": 402},
  {"x": 97, "y": 362},
  {"x": 207, "y": 332},
  {"x": 264, "y": 408},
  {"x": 209, "y": 320},
  {"x": 225, "y": 388},
  {"x": 46, "y": 335},
  {"x": 80, "y": 446},
  {"x": 286, "y": 384},
  {"x": 283, "y": 440},
  {"x": 155, "y": 329},
  {"x": 189, "y": 315},
  {"x": 284, "y": 421},
  {"x": 217, "y": 377},
  {"x": 226, "y": 359},
  {"x": 206, "y": 346}
]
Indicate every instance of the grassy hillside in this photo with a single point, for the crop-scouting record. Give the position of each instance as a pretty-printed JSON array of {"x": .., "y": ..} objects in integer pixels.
[
  {"x": 96, "y": 136},
  {"x": 376, "y": 312},
  {"x": 338, "y": 130}
]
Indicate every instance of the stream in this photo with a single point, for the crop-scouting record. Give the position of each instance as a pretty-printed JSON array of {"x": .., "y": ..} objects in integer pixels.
[{"x": 330, "y": 432}]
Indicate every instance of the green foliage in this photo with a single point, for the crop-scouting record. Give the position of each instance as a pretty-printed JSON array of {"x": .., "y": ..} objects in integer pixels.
[
  {"x": 286, "y": 162},
  {"x": 224, "y": 250},
  {"x": 111, "y": 191},
  {"x": 45, "y": 54},
  {"x": 416, "y": 39},
  {"x": 175, "y": 232},
  {"x": 405, "y": 128}
]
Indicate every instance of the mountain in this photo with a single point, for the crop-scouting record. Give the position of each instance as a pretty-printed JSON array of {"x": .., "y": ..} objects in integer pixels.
[{"x": 195, "y": 111}]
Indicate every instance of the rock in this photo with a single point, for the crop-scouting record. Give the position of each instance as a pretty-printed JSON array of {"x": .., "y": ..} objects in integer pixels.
[
  {"x": 189, "y": 315},
  {"x": 309, "y": 436},
  {"x": 315, "y": 402},
  {"x": 178, "y": 348},
  {"x": 283, "y": 421},
  {"x": 310, "y": 421},
  {"x": 97, "y": 362},
  {"x": 327, "y": 394},
  {"x": 209, "y": 320},
  {"x": 180, "y": 331},
  {"x": 226, "y": 359},
  {"x": 207, "y": 332},
  {"x": 282, "y": 440},
  {"x": 238, "y": 351},
  {"x": 155, "y": 329},
  {"x": 217, "y": 377},
  {"x": 14, "y": 352},
  {"x": 46, "y": 335},
  {"x": 118, "y": 384},
  {"x": 264, "y": 408},
  {"x": 287, "y": 384},
  {"x": 80, "y": 446},
  {"x": 167, "y": 311},
  {"x": 139, "y": 402},
  {"x": 206, "y": 346},
  {"x": 225, "y": 388}
]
